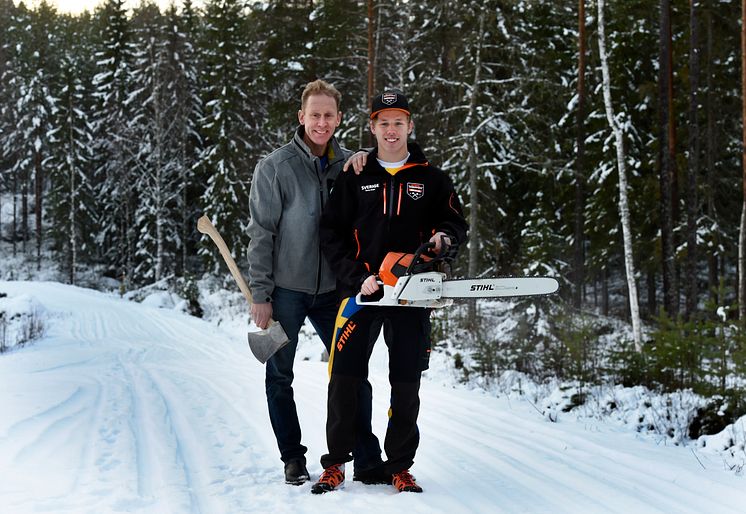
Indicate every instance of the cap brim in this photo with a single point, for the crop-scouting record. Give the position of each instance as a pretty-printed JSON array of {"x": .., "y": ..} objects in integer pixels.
[{"x": 374, "y": 114}]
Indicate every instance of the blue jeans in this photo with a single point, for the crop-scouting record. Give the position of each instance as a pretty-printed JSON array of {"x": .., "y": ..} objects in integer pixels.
[{"x": 290, "y": 308}]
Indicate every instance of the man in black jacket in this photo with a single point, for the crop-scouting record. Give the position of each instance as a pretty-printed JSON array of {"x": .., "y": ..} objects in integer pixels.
[{"x": 397, "y": 203}]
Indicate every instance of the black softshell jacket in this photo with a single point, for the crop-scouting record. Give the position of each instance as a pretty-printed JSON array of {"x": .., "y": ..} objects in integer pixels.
[{"x": 371, "y": 214}]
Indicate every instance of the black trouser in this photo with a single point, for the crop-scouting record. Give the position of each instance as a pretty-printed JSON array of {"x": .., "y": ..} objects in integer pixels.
[
  {"x": 290, "y": 308},
  {"x": 406, "y": 331}
]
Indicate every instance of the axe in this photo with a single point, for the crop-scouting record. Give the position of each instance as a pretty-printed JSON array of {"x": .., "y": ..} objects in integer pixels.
[{"x": 266, "y": 342}]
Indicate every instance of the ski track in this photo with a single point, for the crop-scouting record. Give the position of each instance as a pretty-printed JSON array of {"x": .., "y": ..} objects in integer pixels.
[{"x": 128, "y": 408}]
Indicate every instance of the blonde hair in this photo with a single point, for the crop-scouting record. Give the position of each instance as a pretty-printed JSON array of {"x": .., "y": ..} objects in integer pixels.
[{"x": 320, "y": 87}]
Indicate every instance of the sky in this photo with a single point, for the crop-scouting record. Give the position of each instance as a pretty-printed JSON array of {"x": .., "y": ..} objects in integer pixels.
[
  {"x": 78, "y": 6},
  {"x": 139, "y": 408}
]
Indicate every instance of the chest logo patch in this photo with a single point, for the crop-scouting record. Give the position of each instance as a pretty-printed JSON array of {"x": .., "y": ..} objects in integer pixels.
[
  {"x": 415, "y": 190},
  {"x": 369, "y": 187}
]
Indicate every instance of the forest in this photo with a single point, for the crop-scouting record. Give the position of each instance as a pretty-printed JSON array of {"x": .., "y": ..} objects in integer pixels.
[{"x": 605, "y": 151}]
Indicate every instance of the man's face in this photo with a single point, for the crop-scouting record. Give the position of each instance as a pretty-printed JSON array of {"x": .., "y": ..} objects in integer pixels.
[
  {"x": 320, "y": 118},
  {"x": 391, "y": 128}
]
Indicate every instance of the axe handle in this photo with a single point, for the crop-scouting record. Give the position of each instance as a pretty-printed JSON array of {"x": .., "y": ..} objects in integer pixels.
[{"x": 206, "y": 227}]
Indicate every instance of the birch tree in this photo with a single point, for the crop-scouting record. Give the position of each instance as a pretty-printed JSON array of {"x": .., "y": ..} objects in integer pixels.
[{"x": 623, "y": 202}]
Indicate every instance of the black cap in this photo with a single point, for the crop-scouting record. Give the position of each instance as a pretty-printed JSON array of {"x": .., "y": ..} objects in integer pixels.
[{"x": 391, "y": 99}]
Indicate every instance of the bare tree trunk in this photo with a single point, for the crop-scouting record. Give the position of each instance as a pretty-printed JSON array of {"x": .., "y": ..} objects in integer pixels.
[
  {"x": 712, "y": 260},
  {"x": 184, "y": 208},
  {"x": 15, "y": 213},
  {"x": 623, "y": 202},
  {"x": 579, "y": 235},
  {"x": 471, "y": 160},
  {"x": 24, "y": 211},
  {"x": 670, "y": 286},
  {"x": 371, "y": 61},
  {"x": 742, "y": 230},
  {"x": 158, "y": 123},
  {"x": 605, "y": 292},
  {"x": 72, "y": 230},
  {"x": 742, "y": 263},
  {"x": 652, "y": 301},
  {"x": 38, "y": 180},
  {"x": 692, "y": 202}
]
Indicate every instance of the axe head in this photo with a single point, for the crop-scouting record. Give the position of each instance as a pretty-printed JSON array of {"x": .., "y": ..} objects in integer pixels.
[{"x": 266, "y": 342}]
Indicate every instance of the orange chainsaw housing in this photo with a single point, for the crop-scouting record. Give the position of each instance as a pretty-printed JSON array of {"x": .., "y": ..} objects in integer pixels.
[{"x": 395, "y": 265}]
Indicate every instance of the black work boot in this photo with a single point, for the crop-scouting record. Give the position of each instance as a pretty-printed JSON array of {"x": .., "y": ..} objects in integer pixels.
[{"x": 296, "y": 472}]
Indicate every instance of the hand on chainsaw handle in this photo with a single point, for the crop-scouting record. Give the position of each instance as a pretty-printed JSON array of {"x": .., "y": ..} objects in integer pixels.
[
  {"x": 261, "y": 313},
  {"x": 442, "y": 241},
  {"x": 370, "y": 285}
]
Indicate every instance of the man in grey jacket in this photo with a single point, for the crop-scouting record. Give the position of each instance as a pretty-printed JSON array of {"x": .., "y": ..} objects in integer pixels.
[{"x": 290, "y": 278}]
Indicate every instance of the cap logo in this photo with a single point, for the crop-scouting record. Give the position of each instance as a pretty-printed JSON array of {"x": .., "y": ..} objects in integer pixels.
[{"x": 388, "y": 98}]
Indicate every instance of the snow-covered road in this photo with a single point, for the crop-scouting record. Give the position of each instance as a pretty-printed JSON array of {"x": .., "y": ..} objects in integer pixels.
[{"x": 123, "y": 407}]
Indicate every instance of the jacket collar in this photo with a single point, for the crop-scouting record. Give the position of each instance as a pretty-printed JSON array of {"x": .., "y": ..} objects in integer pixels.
[
  {"x": 416, "y": 157},
  {"x": 334, "y": 151}
]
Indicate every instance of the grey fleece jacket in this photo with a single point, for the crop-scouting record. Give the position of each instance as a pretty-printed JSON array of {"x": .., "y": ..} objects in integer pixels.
[{"x": 288, "y": 193}]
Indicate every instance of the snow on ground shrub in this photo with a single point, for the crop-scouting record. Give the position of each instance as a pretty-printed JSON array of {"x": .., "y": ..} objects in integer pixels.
[
  {"x": 730, "y": 444},
  {"x": 21, "y": 320}
]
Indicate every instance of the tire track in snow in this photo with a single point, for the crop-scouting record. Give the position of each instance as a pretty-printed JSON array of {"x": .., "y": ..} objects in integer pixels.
[
  {"x": 215, "y": 443},
  {"x": 165, "y": 448},
  {"x": 171, "y": 417}
]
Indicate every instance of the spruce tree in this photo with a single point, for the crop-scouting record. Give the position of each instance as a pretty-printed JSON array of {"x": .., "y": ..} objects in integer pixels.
[
  {"x": 70, "y": 206},
  {"x": 225, "y": 160},
  {"x": 115, "y": 176}
]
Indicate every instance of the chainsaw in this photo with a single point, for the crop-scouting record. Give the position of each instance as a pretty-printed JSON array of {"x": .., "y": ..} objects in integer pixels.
[{"x": 421, "y": 280}]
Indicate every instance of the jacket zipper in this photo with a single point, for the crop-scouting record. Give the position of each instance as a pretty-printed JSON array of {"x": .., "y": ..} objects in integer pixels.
[
  {"x": 321, "y": 206},
  {"x": 392, "y": 184}
]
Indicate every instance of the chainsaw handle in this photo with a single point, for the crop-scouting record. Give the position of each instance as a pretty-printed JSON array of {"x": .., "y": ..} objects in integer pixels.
[
  {"x": 374, "y": 297},
  {"x": 424, "y": 247}
]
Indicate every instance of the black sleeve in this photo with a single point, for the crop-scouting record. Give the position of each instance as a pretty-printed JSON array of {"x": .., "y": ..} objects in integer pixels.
[
  {"x": 337, "y": 233},
  {"x": 450, "y": 217}
]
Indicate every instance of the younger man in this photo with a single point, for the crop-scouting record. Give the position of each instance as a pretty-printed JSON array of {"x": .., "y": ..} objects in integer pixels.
[{"x": 397, "y": 203}]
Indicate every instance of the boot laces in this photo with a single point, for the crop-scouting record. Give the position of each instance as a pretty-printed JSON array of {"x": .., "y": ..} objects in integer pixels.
[
  {"x": 404, "y": 479},
  {"x": 333, "y": 475}
]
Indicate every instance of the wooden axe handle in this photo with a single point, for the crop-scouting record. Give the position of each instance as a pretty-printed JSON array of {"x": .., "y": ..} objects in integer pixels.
[{"x": 206, "y": 227}]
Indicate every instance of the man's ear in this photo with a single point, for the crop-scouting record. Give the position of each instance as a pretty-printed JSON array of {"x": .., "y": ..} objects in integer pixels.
[
  {"x": 411, "y": 127},
  {"x": 300, "y": 117},
  {"x": 339, "y": 118}
]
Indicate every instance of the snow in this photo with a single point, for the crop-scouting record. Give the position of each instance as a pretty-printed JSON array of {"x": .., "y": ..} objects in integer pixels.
[
  {"x": 17, "y": 316},
  {"x": 132, "y": 407},
  {"x": 729, "y": 444}
]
